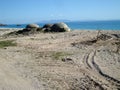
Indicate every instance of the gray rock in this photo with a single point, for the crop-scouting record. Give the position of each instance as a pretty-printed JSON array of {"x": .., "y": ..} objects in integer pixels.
[
  {"x": 32, "y": 26},
  {"x": 46, "y": 29},
  {"x": 60, "y": 27},
  {"x": 47, "y": 25},
  {"x": 39, "y": 29}
]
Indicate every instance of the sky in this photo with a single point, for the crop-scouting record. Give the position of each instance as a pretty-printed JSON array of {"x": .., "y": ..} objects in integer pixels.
[{"x": 30, "y": 11}]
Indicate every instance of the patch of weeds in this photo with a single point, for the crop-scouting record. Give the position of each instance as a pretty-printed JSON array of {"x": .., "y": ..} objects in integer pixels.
[
  {"x": 7, "y": 43},
  {"x": 58, "y": 55},
  {"x": 32, "y": 38}
]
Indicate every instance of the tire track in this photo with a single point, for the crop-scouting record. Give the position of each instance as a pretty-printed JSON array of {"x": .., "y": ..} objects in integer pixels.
[
  {"x": 97, "y": 68},
  {"x": 85, "y": 61},
  {"x": 90, "y": 64}
]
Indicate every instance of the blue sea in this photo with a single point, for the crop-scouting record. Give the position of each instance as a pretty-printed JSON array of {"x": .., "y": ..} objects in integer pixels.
[{"x": 91, "y": 25}]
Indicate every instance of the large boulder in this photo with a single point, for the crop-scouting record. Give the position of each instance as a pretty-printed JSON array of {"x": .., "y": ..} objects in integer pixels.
[
  {"x": 32, "y": 26},
  {"x": 30, "y": 29},
  {"x": 60, "y": 27},
  {"x": 47, "y": 25}
]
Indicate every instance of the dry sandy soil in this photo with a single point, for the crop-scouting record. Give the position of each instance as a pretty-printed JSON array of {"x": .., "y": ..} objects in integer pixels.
[{"x": 76, "y": 60}]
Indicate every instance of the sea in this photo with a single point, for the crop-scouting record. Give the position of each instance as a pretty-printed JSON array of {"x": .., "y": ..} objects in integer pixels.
[{"x": 80, "y": 25}]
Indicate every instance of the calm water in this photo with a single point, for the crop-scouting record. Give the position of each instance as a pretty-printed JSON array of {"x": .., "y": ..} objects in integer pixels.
[{"x": 96, "y": 25}]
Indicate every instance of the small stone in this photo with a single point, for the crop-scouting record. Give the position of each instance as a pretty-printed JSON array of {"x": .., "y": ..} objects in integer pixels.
[{"x": 66, "y": 59}]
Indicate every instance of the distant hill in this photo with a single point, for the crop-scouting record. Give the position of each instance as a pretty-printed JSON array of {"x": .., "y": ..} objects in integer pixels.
[{"x": 53, "y": 21}]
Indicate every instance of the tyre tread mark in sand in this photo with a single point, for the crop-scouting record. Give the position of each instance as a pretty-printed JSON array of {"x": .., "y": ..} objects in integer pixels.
[
  {"x": 109, "y": 78},
  {"x": 85, "y": 60},
  {"x": 91, "y": 65}
]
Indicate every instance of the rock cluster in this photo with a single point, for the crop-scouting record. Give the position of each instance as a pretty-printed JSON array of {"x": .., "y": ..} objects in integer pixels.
[
  {"x": 34, "y": 28},
  {"x": 57, "y": 27}
]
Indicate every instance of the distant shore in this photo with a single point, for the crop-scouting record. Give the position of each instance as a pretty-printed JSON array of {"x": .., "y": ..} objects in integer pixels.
[
  {"x": 71, "y": 29},
  {"x": 92, "y": 25}
]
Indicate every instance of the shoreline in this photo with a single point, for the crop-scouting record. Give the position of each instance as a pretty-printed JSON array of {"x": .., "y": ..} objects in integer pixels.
[
  {"x": 8, "y": 30},
  {"x": 71, "y": 29}
]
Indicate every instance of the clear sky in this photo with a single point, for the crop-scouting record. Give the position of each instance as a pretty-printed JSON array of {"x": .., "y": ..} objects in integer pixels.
[{"x": 27, "y": 11}]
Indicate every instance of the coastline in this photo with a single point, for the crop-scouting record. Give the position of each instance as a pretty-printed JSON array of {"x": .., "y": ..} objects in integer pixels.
[
  {"x": 102, "y": 25},
  {"x": 71, "y": 29},
  {"x": 8, "y": 30}
]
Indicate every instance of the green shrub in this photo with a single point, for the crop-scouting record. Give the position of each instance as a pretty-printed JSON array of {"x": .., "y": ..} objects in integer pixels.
[{"x": 7, "y": 43}]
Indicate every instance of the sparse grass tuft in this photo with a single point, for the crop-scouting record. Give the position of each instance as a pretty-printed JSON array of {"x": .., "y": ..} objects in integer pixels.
[
  {"x": 7, "y": 43},
  {"x": 58, "y": 55}
]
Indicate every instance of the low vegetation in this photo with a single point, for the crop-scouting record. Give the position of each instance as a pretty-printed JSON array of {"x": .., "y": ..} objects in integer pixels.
[
  {"x": 59, "y": 55},
  {"x": 7, "y": 43}
]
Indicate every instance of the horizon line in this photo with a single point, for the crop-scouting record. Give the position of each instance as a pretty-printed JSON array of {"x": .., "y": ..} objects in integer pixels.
[{"x": 63, "y": 20}]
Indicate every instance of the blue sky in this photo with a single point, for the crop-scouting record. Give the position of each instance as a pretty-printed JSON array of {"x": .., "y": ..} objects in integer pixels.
[{"x": 30, "y": 11}]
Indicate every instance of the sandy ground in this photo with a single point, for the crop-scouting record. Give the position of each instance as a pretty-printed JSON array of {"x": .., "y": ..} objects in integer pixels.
[{"x": 61, "y": 61}]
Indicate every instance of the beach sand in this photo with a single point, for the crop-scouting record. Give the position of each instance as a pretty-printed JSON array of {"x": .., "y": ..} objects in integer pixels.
[{"x": 76, "y": 60}]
